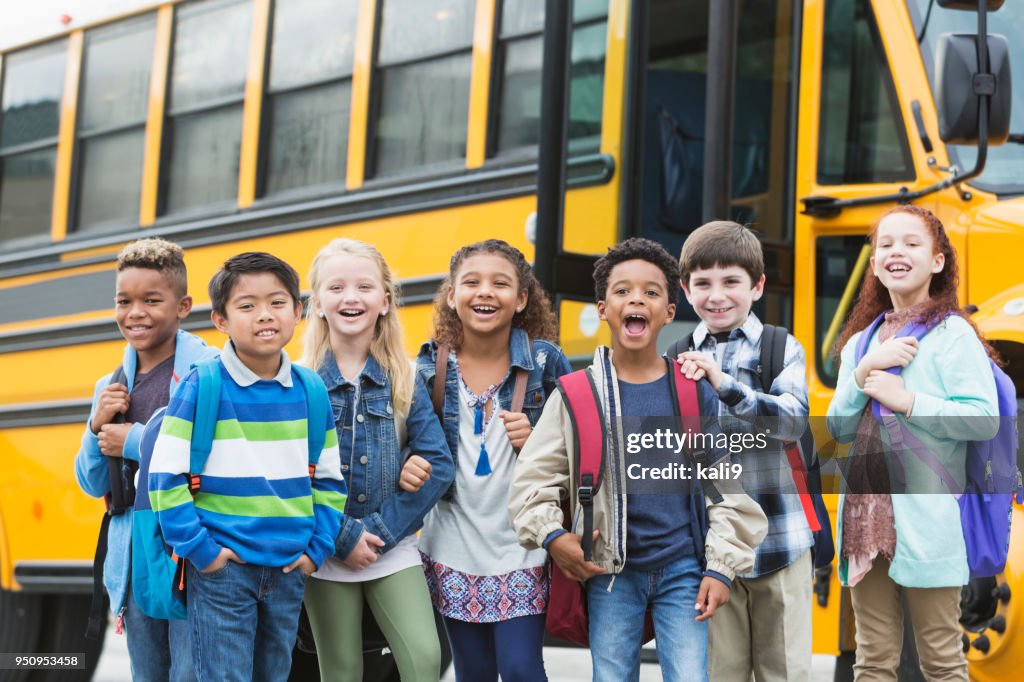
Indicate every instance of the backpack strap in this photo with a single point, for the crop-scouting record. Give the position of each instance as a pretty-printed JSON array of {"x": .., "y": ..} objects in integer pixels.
[
  {"x": 317, "y": 403},
  {"x": 440, "y": 371},
  {"x": 773, "y": 355},
  {"x": 589, "y": 438},
  {"x": 680, "y": 346},
  {"x": 205, "y": 424},
  {"x": 684, "y": 391},
  {"x": 519, "y": 390},
  {"x": 865, "y": 339}
]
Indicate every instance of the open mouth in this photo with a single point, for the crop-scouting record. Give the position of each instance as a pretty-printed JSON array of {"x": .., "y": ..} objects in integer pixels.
[
  {"x": 718, "y": 311},
  {"x": 352, "y": 313},
  {"x": 266, "y": 333},
  {"x": 898, "y": 267},
  {"x": 484, "y": 309},
  {"x": 635, "y": 325}
]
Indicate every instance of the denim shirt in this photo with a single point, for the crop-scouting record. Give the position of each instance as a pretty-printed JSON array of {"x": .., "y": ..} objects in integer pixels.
[
  {"x": 372, "y": 457},
  {"x": 544, "y": 365}
]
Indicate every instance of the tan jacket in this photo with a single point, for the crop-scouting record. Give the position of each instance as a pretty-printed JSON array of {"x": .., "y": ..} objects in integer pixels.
[{"x": 545, "y": 476}]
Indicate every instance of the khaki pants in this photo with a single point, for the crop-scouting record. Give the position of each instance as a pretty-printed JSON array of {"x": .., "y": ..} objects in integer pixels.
[
  {"x": 935, "y": 613},
  {"x": 765, "y": 629}
]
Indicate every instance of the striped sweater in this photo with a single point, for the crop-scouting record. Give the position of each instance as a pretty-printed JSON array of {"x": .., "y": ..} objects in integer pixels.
[{"x": 256, "y": 496}]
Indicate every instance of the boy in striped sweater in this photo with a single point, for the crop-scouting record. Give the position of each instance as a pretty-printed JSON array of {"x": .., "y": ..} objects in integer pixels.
[{"x": 260, "y": 523}]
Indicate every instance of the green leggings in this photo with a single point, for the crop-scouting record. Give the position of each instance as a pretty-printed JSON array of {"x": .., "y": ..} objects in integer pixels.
[{"x": 401, "y": 605}]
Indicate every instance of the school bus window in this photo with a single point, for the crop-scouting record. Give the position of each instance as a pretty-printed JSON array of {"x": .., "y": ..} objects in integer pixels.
[
  {"x": 836, "y": 263},
  {"x": 423, "y": 69},
  {"x": 521, "y": 48},
  {"x": 862, "y": 136},
  {"x": 205, "y": 115},
  {"x": 112, "y": 123},
  {"x": 33, "y": 82},
  {"x": 309, "y": 89}
]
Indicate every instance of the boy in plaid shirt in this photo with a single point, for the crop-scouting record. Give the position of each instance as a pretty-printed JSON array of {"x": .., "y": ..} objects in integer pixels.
[{"x": 765, "y": 628}]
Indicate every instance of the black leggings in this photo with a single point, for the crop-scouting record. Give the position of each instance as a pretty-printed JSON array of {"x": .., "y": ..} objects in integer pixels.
[{"x": 510, "y": 648}]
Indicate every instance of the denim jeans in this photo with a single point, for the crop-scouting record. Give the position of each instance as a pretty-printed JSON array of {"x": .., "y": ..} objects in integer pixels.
[
  {"x": 243, "y": 619},
  {"x": 158, "y": 650},
  {"x": 617, "y": 622}
]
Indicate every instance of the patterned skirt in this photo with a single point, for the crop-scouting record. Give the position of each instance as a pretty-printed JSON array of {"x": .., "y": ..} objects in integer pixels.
[{"x": 486, "y": 598}]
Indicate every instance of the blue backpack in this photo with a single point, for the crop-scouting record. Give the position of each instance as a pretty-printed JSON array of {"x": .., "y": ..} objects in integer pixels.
[
  {"x": 157, "y": 573},
  {"x": 986, "y": 502}
]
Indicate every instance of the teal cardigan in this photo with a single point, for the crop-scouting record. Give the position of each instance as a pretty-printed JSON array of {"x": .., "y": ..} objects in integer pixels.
[{"x": 955, "y": 402}]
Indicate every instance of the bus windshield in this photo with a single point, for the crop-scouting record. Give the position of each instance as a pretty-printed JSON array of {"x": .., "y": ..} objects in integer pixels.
[{"x": 1002, "y": 173}]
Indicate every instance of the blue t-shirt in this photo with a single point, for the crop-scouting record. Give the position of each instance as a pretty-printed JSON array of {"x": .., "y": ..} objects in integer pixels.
[{"x": 657, "y": 524}]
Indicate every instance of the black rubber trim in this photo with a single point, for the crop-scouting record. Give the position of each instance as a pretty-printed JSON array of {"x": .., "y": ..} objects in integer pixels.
[
  {"x": 378, "y": 199},
  {"x": 63, "y": 578}
]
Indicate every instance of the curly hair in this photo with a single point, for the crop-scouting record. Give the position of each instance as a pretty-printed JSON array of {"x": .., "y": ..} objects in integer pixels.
[
  {"x": 637, "y": 248},
  {"x": 874, "y": 298},
  {"x": 536, "y": 319},
  {"x": 154, "y": 253}
]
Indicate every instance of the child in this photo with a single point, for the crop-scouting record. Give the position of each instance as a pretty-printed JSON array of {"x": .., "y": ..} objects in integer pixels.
[
  {"x": 260, "y": 522},
  {"x": 494, "y": 321},
  {"x": 765, "y": 629},
  {"x": 150, "y": 301},
  {"x": 910, "y": 544},
  {"x": 354, "y": 340},
  {"x": 645, "y": 549}
]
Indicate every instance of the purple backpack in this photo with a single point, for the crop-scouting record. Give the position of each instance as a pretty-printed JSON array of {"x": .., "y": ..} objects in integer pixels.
[{"x": 986, "y": 502}]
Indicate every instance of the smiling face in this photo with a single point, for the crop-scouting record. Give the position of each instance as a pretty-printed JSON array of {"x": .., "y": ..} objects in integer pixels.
[
  {"x": 148, "y": 310},
  {"x": 905, "y": 259},
  {"x": 485, "y": 294},
  {"x": 636, "y": 305},
  {"x": 722, "y": 296},
  {"x": 351, "y": 298},
  {"x": 260, "y": 319}
]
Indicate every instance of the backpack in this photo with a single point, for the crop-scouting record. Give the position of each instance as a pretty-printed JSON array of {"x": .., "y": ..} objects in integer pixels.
[
  {"x": 567, "y": 617},
  {"x": 801, "y": 454},
  {"x": 986, "y": 502},
  {"x": 121, "y": 475},
  {"x": 158, "y": 575}
]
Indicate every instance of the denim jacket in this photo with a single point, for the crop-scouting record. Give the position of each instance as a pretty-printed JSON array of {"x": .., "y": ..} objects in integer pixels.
[
  {"x": 545, "y": 364},
  {"x": 372, "y": 455}
]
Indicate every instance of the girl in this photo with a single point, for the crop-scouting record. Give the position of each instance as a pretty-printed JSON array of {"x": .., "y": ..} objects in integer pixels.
[
  {"x": 494, "y": 321},
  {"x": 909, "y": 543},
  {"x": 354, "y": 341}
]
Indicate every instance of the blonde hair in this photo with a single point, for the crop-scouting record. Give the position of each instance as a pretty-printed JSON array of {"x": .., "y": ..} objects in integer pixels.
[
  {"x": 154, "y": 253},
  {"x": 387, "y": 347}
]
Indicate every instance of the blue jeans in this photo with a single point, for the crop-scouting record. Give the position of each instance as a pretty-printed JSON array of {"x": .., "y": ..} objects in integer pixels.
[
  {"x": 617, "y": 622},
  {"x": 510, "y": 648},
  {"x": 243, "y": 620},
  {"x": 151, "y": 642}
]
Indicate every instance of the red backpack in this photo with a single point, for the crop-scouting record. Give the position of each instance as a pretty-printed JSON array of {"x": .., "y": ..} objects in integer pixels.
[{"x": 567, "y": 617}]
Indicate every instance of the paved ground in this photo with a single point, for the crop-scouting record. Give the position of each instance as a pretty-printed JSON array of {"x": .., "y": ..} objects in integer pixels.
[{"x": 563, "y": 665}]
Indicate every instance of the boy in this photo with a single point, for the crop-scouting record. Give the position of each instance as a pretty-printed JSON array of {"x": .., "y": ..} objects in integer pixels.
[
  {"x": 645, "y": 543},
  {"x": 260, "y": 523},
  {"x": 765, "y": 630},
  {"x": 150, "y": 301}
]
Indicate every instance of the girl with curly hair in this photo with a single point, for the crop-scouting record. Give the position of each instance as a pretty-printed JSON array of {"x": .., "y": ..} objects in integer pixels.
[
  {"x": 493, "y": 323},
  {"x": 899, "y": 532}
]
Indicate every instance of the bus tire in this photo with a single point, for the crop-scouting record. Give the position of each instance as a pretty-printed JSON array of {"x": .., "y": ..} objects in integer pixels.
[
  {"x": 19, "y": 628},
  {"x": 62, "y": 631}
]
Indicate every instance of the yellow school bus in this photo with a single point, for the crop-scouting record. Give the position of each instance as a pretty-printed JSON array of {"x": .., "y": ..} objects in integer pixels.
[{"x": 422, "y": 125}]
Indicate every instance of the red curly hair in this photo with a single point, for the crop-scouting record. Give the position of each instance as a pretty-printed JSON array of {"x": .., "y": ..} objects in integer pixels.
[
  {"x": 536, "y": 319},
  {"x": 874, "y": 298}
]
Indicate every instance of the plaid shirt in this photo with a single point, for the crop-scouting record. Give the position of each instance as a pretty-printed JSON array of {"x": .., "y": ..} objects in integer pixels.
[{"x": 786, "y": 407}]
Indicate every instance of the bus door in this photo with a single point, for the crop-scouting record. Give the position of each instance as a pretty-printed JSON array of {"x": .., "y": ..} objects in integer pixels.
[{"x": 671, "y": 77}]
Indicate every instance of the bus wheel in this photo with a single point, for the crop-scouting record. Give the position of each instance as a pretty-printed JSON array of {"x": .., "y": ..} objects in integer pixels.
[
  {"x": 62, "y": 630},
  {"x": 19, "y": 628}
]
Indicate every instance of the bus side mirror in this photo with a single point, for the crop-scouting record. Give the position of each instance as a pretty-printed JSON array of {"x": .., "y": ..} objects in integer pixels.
[{"x": 959, "y": 87}]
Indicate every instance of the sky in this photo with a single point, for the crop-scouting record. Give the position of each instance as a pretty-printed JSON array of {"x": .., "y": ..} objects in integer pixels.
[{"x": 22, "y": 21}]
